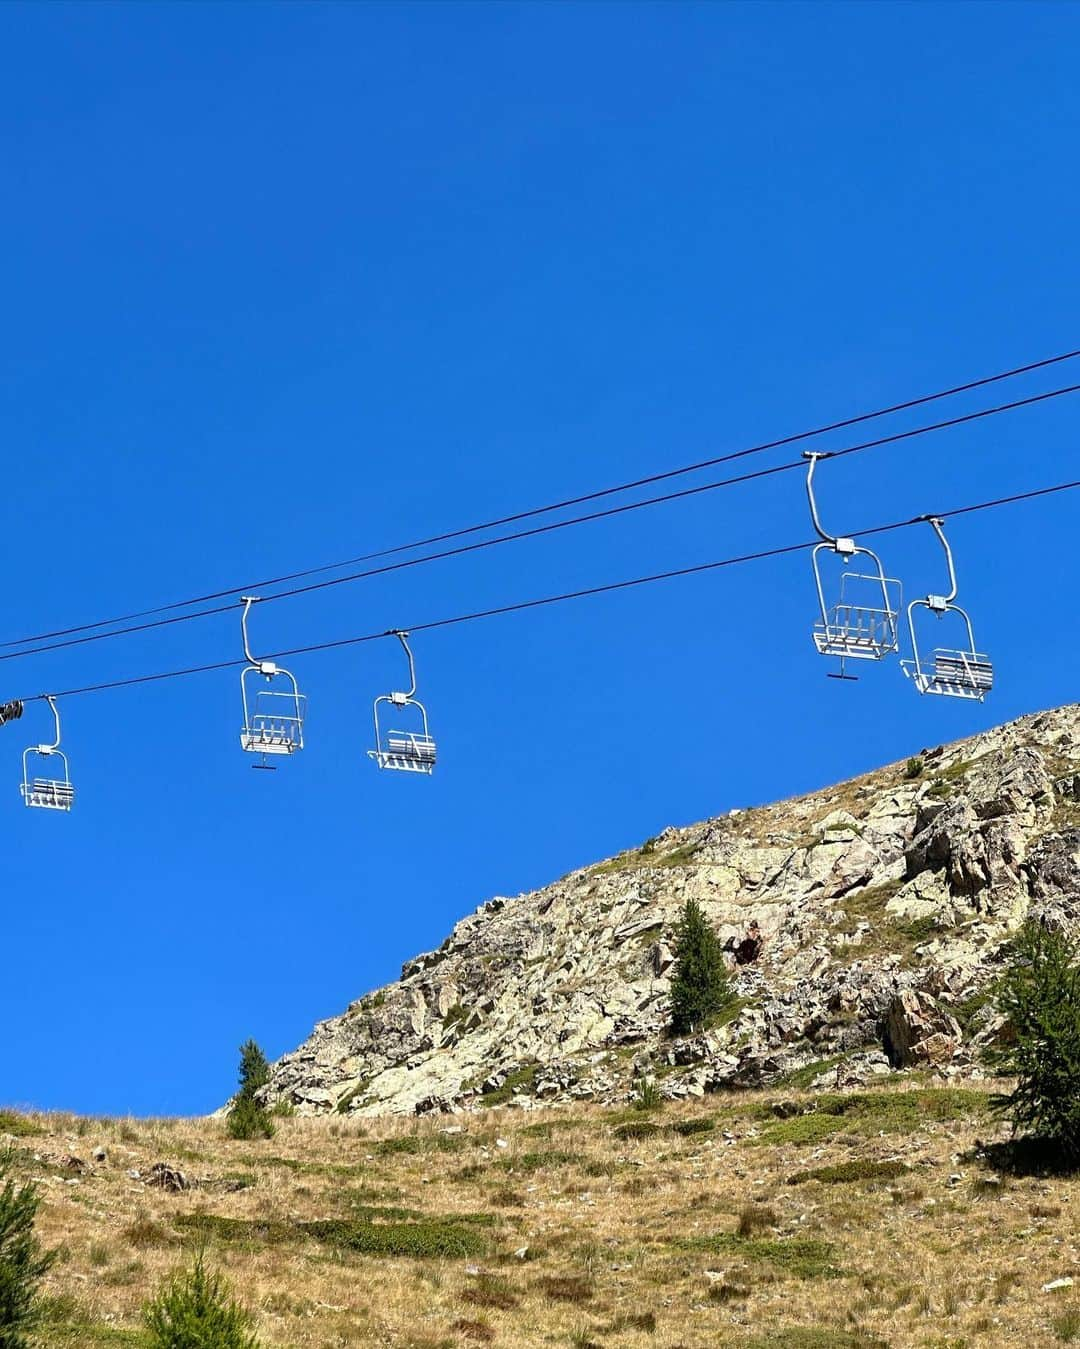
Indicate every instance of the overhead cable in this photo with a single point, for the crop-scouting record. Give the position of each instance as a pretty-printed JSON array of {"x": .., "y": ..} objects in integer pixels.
[
  {"x": 581, "y": 499},
  {"x": 546, "y": 600},
  {"x": 537, "y": 530}
]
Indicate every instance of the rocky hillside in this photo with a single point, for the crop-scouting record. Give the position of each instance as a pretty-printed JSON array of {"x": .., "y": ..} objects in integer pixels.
[{"x": 864, "y": 924}]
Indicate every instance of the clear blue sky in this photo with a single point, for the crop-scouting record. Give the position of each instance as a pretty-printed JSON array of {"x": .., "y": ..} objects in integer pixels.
[{"x": 284, "y": 283}]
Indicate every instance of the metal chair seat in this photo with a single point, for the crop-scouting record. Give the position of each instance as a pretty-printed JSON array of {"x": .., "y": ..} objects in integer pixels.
[
  {"x": 956, "y": 674},
  {"x": 856, "y": 631},
  {"x": 406, "y": 752},
  {"x": 965, "y": 669},
  {"x": 270, "y": 740},
  {"x": 48, "y": 793}
]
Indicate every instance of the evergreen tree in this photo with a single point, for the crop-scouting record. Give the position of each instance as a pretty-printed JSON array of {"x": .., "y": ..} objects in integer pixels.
[
  {"x": 700, "y": 986},
  {"x": 247, "y": 1118},
  {"x": 22, "y": 1261},
  {"x": 1040, "y": 995},
  {"x": 254, "y": 1069},
  {"x": 195, "y": 1311}
]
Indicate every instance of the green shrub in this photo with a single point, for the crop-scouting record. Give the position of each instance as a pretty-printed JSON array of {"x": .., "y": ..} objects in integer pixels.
[
  {"x": 803, "y": 1257},
  {"x": 1040, "y": 995},
  {"x": 913, "y": 768},
  {"x": 22, "y": 1261},
  {"x": 647, "y": 1095},
  {"x": 248, "y": 1119},
  {"x": 844, "y": 1173},
  {"x": 700, "y": 986},
  {"x": 195, "y": 1311},
  {"x": 451, "y": 1235},
  {"x": 688, "y": 1127},
  {"x": 637, "y": 1128},
  {"x": 18, "y": 1125}
]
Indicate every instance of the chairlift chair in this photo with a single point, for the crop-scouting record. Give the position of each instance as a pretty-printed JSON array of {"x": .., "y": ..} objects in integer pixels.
[
  {"x": 862, "y": 622},
  {"x": 954, "y": 673},
  {"x": 47, "y": 793},
  {"x": 273, "y": 716},
  {"x": 406, "y": 751}
]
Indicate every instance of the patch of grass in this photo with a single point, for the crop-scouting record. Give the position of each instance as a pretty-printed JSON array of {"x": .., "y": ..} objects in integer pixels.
[
  {"x": 478, "y": 1331},
  {"x": 522, "y": 1080},
  {"x": 888, "y": 932},
  {"x": 566, "y": 1288},
  {"x": 65, "y": 1323},
  {"x": 1067, "y": 1324},
  {"x": 949, "y": 781},
  {"x": 815, "y": 1337},
  {"x": 801, "y": 1257},
  {"x": 800, "y": 1078},
  {"x": 678, "y": 857},
  {"x": 404, "y": 1145},
  {"x": 423, "y": 1239},
  {"x": 540, "y": 1161},
  {"x": 408, "y": 1145},
  {"x": 507, "y": 1198},
  {"x": 418, "y": 1240},
  {"x": 490, "y": 1290},
  {"x": 637, "y": 1128},
  {"x": 874, "y": 1112},
  {"x": 846, "y": 1173},
  {"x": 756, "y": 1218},
  {"x": 728, "y": 1013},
  {"x": 342, "y": 1106},
  {"x": 725, "y": 1292},
  {"x": 799, "y": 1130},
  {"x": 11, "y": 1122},
  {"x": 143, "y": 1231},
  {"x": 646, "y": 856},
  {"x": 549, "y": 1126},
  {"x": 967, "y": 1009},
  {"x": 704, "y": 1124}
]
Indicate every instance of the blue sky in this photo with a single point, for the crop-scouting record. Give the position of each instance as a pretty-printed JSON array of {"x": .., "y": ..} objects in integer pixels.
[{"x": 285, "y": 283}]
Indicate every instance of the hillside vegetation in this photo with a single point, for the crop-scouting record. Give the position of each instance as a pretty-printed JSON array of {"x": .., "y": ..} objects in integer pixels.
[{"x": 867, "y": 1218}]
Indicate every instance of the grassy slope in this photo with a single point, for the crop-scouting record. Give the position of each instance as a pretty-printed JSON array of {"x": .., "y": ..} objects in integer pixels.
[{"x": 726, "y": 1224}]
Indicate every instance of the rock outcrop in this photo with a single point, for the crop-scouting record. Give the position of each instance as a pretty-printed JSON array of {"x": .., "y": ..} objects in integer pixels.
[{"x": 863, "y": 924}]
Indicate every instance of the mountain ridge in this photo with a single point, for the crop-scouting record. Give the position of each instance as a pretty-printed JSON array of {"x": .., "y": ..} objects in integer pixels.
[{"x": 864, "y": 923}]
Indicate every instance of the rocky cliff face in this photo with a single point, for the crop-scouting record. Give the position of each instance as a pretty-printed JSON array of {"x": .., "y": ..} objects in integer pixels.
[{"x": 881, "y": 908}]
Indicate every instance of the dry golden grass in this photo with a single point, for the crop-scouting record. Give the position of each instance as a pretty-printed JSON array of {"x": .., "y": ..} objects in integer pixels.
[{"x": 679, "y": 1238}]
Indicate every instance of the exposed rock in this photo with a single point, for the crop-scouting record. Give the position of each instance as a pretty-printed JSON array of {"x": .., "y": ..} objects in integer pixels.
[
  {"x": 166, "y": 1177},
  {"x": 918, "y": 1032},
  {"x": 856, "y": 916}
]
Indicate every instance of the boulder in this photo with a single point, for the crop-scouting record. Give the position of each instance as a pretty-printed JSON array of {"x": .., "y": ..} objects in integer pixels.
[{"x": 919, "y": 1033}]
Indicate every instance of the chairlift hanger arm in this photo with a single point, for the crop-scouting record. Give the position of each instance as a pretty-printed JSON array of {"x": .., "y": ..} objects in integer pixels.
[
  {"x": 403, "y": 638},
  {"x": 266, "y": 667},
  {"x": 844, "y": 546},
  {"x": 50, "y": 749},
  {"x": 936, "y": 523}
]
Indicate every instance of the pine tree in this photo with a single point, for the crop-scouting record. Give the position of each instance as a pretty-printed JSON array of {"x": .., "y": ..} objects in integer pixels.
[
  {"x": 247, "y": 1118},
  {"x": 22, "y": 1261},
  {"x": 254, "y": 1069},
  {"x": 1040, "y": 995},
  {"x": 195, "y": 1311},
  {"x": 700, "y": 986}
]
